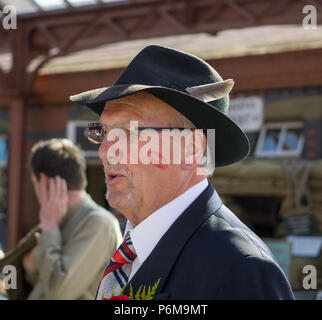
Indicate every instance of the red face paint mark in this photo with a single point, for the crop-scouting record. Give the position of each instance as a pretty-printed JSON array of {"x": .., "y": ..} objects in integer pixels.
[
  {"x": 158, "y": 163},
  {"x": 160, "y": 166}
]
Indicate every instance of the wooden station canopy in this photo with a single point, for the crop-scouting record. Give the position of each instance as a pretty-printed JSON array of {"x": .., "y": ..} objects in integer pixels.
[
  {"x": 50, "y": 29},
  {"x": 46, "y": 31}
]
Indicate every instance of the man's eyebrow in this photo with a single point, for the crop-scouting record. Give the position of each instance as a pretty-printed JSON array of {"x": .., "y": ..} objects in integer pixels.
[
  {"x": 125, "y": 122},
  {"x": 115, "y": 104}
]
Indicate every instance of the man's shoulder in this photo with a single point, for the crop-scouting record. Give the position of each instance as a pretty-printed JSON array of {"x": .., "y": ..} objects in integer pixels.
[
  {"x": 226, "y": 259},
  {"x": 225, "y": 235},
  {"x": 102, "y": 215},
  {"x": 97, "y": 215}
]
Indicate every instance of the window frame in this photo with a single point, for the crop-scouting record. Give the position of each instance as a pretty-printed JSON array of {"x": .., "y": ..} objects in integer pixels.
[
  {"x": 279, "y": 153},
  {"x": 72, "y": 126}
]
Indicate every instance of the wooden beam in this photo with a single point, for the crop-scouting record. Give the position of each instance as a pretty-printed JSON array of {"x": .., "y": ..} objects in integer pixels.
[
  {"x": 239, "y": 9},
  {"x": 280, "y": 70},
  {"x": 21, "y": 57},
  {"x": 68, "y": 4},
  {"x": 4, "y": 81},
  {"x": 316, "y": 3},
  {"x": 6, "y": 96},
  {"x": 62, "y": 50},
  {"x": 124, "y": 20},
  {"x": 145, "y": 22},
  {"x": 16, "y": 110},
  {"x": 115, "y": 26},
  {"x": 175, "y": 22},
  {"x": 271, "y": 8},
  {"x": 50, "y": 36}
]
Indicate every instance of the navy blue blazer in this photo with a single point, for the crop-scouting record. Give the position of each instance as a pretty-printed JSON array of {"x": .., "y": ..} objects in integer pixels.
[{"x": 208, "y": 253}]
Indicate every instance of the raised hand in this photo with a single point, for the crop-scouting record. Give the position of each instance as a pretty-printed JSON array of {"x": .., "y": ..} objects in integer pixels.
[{"x": 54, "y": 202}]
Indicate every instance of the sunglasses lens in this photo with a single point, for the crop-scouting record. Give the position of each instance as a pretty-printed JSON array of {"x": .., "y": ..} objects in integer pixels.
[{"x": 96, "y": 133}]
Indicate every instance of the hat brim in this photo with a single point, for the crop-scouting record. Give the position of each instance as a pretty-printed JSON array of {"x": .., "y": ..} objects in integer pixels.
[{"x": 232, "y": 144}]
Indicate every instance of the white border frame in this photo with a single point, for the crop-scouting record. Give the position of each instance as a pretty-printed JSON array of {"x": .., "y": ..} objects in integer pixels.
[{"x": 278, "y": 153}]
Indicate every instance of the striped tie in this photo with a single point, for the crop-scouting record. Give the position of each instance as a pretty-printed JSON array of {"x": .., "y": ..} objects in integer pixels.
[{"x": 117, "y": 272}]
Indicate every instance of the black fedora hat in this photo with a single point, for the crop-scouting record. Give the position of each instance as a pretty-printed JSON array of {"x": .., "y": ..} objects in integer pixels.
[{"x": 186, "y": 83}]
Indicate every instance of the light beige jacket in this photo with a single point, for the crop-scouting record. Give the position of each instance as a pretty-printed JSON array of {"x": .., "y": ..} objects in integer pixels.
[{"x": 72, "y": 259}]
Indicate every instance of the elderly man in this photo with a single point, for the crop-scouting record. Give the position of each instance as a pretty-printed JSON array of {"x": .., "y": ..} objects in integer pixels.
[
  {"x": 180, "y": 242},
  {"x": 78, "y": 237}
]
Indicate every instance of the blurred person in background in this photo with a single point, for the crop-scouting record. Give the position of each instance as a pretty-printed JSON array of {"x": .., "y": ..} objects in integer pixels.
[{"x": 78, "y": 236}]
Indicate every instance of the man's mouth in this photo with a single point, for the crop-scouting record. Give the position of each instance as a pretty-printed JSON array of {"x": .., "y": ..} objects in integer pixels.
[{"x": 114, "y": 177}]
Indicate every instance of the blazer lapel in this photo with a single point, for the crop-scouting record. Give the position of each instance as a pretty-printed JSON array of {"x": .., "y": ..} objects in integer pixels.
[{"x": 159, "y": 263}]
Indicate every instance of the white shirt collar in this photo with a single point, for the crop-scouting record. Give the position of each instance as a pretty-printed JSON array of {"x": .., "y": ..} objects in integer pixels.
[{"x": 147, "y": 234}]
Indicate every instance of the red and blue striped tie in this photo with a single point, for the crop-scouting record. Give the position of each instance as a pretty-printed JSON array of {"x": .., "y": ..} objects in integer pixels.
[{"x": 118, "y": 270}]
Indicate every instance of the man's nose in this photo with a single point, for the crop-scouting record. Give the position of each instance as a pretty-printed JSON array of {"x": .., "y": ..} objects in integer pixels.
[
  {"x": 115, "y": 154},
  {"x": 102, "y": 151}
]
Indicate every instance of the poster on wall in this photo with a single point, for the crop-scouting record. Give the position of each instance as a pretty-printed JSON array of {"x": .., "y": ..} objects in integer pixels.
[{"x": 247, "y": 112}]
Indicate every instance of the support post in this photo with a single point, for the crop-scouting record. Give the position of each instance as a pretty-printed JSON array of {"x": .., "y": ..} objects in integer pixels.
[{"x": 15, "y": 167}]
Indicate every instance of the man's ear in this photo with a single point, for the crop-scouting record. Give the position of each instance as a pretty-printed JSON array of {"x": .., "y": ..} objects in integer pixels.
[
  {"x": 194, "y": 150},
  {"x": 187, "y": 161}
]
